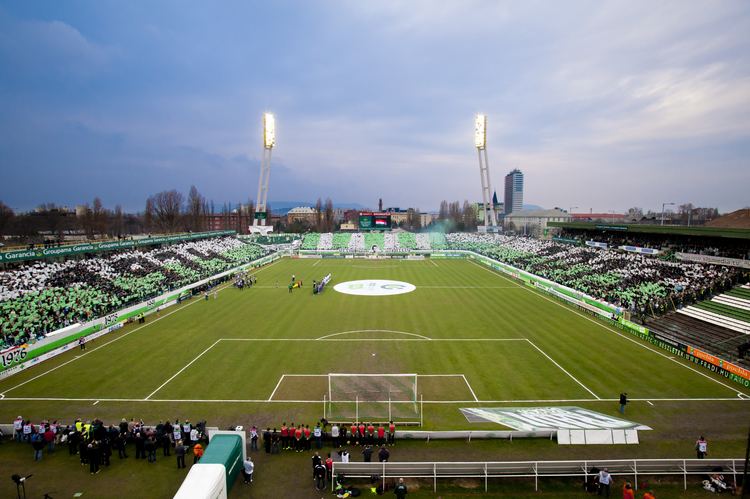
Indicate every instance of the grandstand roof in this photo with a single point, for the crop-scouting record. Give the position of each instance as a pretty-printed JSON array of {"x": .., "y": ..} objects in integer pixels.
[
  {"x": 696, "y": 231},
  {"x": 739, "y": 219}
]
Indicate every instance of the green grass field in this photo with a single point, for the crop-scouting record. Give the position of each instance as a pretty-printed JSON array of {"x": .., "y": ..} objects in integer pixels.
[{"x": 261, "y": 356}]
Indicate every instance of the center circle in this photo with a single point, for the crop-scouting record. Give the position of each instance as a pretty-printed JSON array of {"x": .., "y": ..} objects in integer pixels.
[{"x": 374, "y": 287}]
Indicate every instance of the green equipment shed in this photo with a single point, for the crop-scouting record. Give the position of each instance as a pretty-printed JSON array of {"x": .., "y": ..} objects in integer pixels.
[{"x": 225, "y": 450}]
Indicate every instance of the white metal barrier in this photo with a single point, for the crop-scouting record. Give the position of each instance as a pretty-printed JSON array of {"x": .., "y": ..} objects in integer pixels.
[{"x": 538, "y": 469}]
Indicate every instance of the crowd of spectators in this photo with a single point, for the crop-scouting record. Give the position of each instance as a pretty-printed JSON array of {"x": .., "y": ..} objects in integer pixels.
[
  {"x": 643, "y": 284},
  {"x": 44, "y": 296},
  {"x": 703, "y": 245},
  {"x": 95, "y": 443}
]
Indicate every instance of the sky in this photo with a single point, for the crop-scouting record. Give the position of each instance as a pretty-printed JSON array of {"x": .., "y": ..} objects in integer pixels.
[{"x": 602, "y": 105}]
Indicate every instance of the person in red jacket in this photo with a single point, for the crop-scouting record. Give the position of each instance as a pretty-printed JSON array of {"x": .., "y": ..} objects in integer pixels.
[
  {"x": 381, "y": 435},
  {"x": 307, "y": 434},
  {"x": 284, "y": 436},
  {"x": 298, "y": 439},
  {"x": 354, "y": 438},
  {"x": 362, "y": 429},
  {"x": 391, "y": 433},
  {"x": 329, "y": 466},
  {"x": 370, "y": 433}
]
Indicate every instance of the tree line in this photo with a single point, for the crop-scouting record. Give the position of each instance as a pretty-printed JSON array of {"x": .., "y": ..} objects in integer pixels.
[
  {"x": 455, "y": 217},
  {"x": 165, "y": 212}
]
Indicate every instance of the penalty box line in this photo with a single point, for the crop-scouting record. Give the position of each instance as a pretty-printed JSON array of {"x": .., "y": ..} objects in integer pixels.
[
  {"x": 462, "y": 376},
  {"x": 436, "y": 402}
]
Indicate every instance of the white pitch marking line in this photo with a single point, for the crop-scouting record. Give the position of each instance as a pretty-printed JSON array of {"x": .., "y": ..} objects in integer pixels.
[
  {"x": 608, "y": 328},
  {"x": 95, "y": 403},
  {"x": 374, "y": 339},
  {"x": 263, "y": 401},
  {"x": 470, "y": 388},
  {"x": 649, "y": 402},
  {"x": 373, "y": 331},
  {"x": 562, "y": 369},
  {"x": 314, "y": 264},
  {"x": 185, "y": 367},
  {"x": 277, "y": 387},
  {"x": 435, "y": 264}
]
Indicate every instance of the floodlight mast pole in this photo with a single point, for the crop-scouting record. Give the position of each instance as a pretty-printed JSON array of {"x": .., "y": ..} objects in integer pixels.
[
  {"x": 480, "y": 142},
  {"x": 269, "y": 140}
]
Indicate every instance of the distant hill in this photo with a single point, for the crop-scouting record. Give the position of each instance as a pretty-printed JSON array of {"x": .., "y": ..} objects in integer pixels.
[
  {"x": 739, "y": 219},
  {"x": 283, "y": 207},
  {"x": 532, "y": 207}
]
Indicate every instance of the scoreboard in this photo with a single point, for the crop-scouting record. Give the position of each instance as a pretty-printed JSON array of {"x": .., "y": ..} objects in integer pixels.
[{"x": 374, "y": 221}]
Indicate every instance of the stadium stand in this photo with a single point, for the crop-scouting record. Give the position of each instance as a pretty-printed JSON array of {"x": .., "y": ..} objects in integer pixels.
[
  {"x": 374, "y": 239},
  {"x": 423, "y": 241},
  {"x": 438, "y": 241},
  {"x": 44, "y": 296},
  {"x": 407, "y": 241},
  {"x": 720, "y": 325},
  {"x": 341, "y": 240},
  {"x": 390, "y": 242},
  {"x": 356, "y": 243},
  {"x": 310, "y": 241},
  {"x": 643, "y": 284},
  {"x": 325, "y": 241}
]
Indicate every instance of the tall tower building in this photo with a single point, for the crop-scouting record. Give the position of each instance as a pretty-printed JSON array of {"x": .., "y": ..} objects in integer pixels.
[{"x": 513, "y": 191}]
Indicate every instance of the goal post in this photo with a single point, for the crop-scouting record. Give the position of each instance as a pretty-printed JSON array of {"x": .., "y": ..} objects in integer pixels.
[
  {"x": 373, "y": 397},
  {"x": 344, "y": 387}
]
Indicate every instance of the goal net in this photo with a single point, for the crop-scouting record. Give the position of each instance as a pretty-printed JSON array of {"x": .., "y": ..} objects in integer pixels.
[
  {"x": 372, "y": 397},
  {"x": 372, "y": 387}
]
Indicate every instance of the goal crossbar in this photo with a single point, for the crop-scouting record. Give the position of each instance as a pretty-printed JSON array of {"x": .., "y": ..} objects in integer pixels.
[{"x": 372, "y": 387}]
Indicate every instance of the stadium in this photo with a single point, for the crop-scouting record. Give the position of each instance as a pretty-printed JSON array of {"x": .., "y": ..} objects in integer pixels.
[{"x": 171, "y": 348}]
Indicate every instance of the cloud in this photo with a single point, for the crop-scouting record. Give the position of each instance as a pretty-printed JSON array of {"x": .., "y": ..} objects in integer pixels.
[{"x": 376, "y": 99}]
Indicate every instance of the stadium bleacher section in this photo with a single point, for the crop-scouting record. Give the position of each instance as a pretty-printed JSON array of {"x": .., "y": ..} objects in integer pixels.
[
  {"x": 325, "y": 242},
  {"x": 640, "y": 283},
  {"x": 341, "y": 240},
  {"x": 390, "y": 242},
  {"x": 44, "y": 296},
  {"x": 310, "y": 242},
  {"x": 373, "y": 239},
  {"x": 407, "y": 241},
  {"x": 356, "y": 243}
]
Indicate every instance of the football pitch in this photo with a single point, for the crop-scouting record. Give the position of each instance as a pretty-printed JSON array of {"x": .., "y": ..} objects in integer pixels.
[{"x": 466, "y": 336}]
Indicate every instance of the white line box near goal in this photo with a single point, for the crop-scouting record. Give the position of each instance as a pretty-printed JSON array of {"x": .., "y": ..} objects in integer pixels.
[{"x": 372, "y": 397}]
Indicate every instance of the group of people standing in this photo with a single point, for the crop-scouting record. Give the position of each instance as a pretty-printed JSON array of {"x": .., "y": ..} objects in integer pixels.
[
  {"x": 95, "y": 443},
  {"x": 300, "y": 438}
]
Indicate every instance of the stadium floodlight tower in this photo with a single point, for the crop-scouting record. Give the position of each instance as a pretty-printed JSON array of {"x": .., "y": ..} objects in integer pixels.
[
  {"x": 269, "y": 140},
  {"x": 480, "y": 142}
]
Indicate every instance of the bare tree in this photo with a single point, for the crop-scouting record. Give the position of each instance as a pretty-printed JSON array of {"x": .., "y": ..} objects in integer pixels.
[
  {"x": 167, "y": 210},
  {"x": 469, "y": 217},
  {"x": 99, "y": 216},
  {"x": 118, "y": 222},
  {"x": 195, "y": 220},
  {"x": 443, "y": 215},
  {"x": 319, "y": 216},
  {"x": 454, "y": 212},
  {"x": 6, "y": 217},
  {"x": 148, "y": 215},
  {"x": 328, "y": 218}
]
